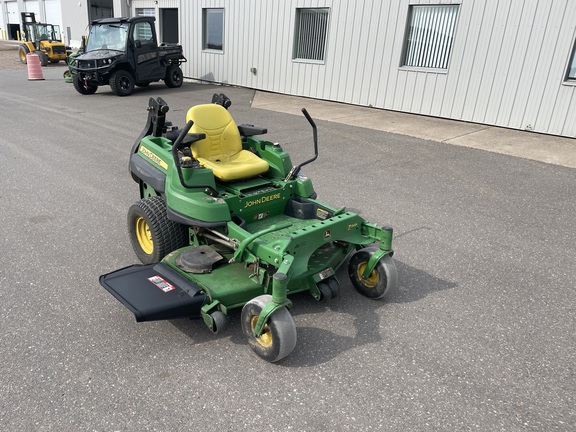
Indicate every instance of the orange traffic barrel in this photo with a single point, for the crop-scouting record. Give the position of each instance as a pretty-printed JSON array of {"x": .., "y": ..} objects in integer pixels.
[{"x": 34, "y": 68}]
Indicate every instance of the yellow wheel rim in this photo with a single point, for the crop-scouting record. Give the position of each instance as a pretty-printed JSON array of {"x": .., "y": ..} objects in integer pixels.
[
  {"x": 22, "y": 55},
  {"x": 265, "y": 339},
  {"x": 144, "y": 236},
  {"x": 371, "y": 281}
]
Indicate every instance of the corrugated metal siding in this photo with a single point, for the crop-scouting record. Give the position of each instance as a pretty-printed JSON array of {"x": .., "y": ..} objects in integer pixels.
[{"x": 507, "y": 65}]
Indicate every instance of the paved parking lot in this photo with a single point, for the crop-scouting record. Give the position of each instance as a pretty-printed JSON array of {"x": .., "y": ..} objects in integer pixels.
[{"x": 478, "y": 336}]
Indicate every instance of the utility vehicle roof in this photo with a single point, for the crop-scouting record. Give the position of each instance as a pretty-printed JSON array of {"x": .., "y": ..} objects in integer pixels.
[{"x": 122, "y": 20}]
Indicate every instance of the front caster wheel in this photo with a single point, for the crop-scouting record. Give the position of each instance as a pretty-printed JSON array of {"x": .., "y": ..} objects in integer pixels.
[
  {"x": 220, "y": 322},
  {"x": 381, "y": 280},
  {"x": 279, "y": 336},
  {"x": 325, "y": 292}
]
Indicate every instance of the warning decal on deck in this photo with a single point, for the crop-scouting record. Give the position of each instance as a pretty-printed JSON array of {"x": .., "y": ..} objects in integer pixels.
[{"x": 161, "y": 283}]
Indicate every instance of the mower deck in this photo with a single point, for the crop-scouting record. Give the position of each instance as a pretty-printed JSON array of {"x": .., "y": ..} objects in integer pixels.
[{"x": 154, "y": 292}]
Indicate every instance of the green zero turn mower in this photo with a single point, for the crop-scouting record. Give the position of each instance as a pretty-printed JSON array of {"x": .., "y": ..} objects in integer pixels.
[{"x": 226, "y": 221}]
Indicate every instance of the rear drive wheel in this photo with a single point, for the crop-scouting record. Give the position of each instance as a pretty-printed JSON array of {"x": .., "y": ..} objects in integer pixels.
[
  {"x": 174, "y": 77},
  {"x": 82, "y": 87},
  {"x": 381, "y": 280},
  {"x": 152, "y": 234},
  {"x": 22, "y": 51},
  {"x": 122, "y": 83},
  {"x": 279, "y": 336}
]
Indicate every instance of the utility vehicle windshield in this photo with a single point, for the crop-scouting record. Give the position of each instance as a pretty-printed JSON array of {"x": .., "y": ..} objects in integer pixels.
[{"x": 112, "y": 37}]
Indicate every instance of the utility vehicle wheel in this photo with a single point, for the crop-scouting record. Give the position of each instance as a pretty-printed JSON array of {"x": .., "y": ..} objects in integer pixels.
[
  {"x": 122, "y": 83},
  {"x": 54, "y": 61},
  {"x": 279, "y": 337},
  {"x": 22, "y": 51},
  {"x": 43, "y": 58},
  {"x": 152, "y": 234},
  {"x": 174, "y": 77},
  {"x": 382, "y": 279},
  {"x": 78, "y": 82}
]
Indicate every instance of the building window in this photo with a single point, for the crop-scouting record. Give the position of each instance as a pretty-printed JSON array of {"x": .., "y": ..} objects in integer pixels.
[
  {"x": 145, "y": 12},
  {"x": 430, "y": 35},
  {"x": 571, "y": 74},
  {"x": 310, "y": 35},
  {"x": 213, "y": 29}
]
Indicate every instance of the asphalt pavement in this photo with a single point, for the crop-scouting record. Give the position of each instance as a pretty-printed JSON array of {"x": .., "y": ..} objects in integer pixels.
[{"x": 479, "y": 334}]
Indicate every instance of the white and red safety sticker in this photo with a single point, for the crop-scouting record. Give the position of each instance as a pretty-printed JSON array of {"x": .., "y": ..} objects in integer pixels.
[{"x": 161, "y": 283}]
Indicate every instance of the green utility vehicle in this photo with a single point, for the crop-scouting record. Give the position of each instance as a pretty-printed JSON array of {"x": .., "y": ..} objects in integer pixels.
[{"x": 226, "y": 221}]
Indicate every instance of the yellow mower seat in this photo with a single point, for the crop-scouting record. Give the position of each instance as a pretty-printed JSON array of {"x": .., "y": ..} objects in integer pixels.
[{"x": 221, "y": 150}]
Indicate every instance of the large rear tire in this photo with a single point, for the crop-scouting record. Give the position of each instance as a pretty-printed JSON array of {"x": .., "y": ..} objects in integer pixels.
[
  {"x": 43, "y": 58},
  {"x": 152, "y": 234},
  {"x": 22, "y": 51}
]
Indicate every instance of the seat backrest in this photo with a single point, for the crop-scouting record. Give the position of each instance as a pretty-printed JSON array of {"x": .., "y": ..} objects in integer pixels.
[{"x": 222, "y": 135}]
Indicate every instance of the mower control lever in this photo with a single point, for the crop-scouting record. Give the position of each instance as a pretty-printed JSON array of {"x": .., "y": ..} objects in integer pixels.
[
  {"x": 296, "y": 169},
  {"x": 183, "y": 139}
]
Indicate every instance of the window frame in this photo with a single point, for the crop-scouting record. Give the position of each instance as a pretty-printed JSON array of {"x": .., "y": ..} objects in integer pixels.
[
  {"x": 571, "y": 64},
  {"x": 297, "y": 33},
  {"x": 205, "y": 32},
  {"x": 406, "y": 48}
]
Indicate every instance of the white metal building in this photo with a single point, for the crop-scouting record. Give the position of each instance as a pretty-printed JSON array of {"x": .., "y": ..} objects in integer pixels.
[
  {"x": 45, "y": 11},
  {"x": 74, "y": 16},
  {"x": 508, "y": 63}
]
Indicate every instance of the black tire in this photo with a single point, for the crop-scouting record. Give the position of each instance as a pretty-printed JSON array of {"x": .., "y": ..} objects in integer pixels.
[
  {"x": 334, "y": 287},
  {"x": 152, "y": 234},
  {"x": 22, "y": 51},
  {"x": 279, "y": 337},
  {"x": 174, "y": 76},
  {"x": 78, "y": 82},
  {"x": 122, "y": 83},
  {"x": 220, "y": 322},
  {"x": 54, "y": 61},
  {"x": 325, "y": 292},
  {"x": 381, "y": 281},
  {"x": 43, "y": 58}
]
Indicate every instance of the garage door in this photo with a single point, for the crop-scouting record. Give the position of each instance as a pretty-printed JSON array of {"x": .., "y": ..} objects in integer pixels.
[
  {"x": 12, "y": 9},
  {"x": 53, "y": 12},
  {"x": 33, "y": 6}
]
